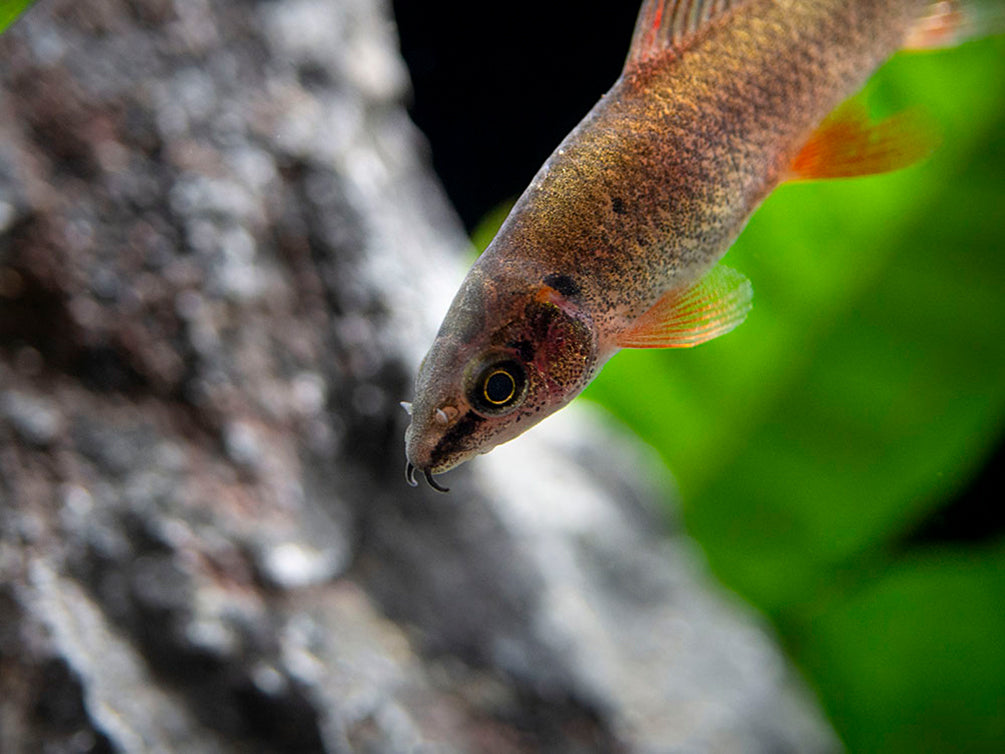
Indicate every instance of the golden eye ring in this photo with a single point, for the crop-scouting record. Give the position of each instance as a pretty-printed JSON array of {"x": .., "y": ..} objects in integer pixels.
[{"x": 498, "y": 387}]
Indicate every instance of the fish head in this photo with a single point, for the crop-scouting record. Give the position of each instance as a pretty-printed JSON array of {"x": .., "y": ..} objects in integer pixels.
[{"x": 511, "y": 351}]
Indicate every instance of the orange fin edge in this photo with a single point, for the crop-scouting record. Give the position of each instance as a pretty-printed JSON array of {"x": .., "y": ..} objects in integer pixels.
[
  {"x": 848, "y": 144},
  {"x": 713, "y": 306}
]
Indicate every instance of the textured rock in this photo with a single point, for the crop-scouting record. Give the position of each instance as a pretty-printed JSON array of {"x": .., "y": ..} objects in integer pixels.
[{"x": 222, "y": 254}]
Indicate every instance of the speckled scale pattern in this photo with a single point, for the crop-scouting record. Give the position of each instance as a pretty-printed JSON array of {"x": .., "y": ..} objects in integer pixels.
[{"x": 649, "y": 191}]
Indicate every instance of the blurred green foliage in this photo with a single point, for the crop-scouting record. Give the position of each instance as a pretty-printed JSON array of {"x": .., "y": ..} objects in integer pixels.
[
  {"x": 10, "y": 10},
  {"x": 865, "y": 389}
]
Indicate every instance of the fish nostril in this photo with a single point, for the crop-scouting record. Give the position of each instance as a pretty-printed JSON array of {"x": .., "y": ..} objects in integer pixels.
[{"x": 445, "y": 414}]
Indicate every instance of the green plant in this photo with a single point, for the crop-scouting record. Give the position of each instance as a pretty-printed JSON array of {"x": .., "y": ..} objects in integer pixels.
[{"x": 10, "y": 10}]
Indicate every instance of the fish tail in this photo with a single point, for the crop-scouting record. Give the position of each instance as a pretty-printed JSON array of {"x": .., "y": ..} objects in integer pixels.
[{"x": 947, "y": 23}]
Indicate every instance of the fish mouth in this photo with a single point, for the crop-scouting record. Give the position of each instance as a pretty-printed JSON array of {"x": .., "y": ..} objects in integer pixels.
[{"x": 410, "y": 470}]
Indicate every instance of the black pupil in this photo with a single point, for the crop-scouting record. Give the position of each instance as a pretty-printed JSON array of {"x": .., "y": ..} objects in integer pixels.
[{"x": 499, "y": 387}]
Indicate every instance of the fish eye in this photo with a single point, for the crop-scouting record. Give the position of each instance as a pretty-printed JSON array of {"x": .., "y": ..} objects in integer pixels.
[{"x": 499, "y": 386}]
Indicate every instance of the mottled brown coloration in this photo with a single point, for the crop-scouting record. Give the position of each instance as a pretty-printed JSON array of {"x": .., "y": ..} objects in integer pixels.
[{"x": 642, "y": 199}]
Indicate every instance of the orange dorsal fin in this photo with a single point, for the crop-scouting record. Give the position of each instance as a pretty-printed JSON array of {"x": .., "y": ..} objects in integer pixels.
[
  {"x": 680, "y": 319},
  {"x": 946, "y": 23},
  {"x": 671, "y": 24},
  {"x": 848, "y": 144}
]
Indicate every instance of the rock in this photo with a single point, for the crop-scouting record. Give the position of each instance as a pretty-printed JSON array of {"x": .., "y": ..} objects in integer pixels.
[
  {"x": 33, "y": 418},
  {"x": 222, "y": 254}
]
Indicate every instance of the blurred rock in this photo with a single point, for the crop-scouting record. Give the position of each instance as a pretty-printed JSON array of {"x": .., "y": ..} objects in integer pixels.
[
  {"x": 222, "y": 254},
  {"x": 34, "y": 419}
]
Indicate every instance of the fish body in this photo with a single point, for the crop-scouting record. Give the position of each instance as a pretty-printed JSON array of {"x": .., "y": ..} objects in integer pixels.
[
  {"x": 656, "y": 183},
  {"x": 615, "y": 241}
]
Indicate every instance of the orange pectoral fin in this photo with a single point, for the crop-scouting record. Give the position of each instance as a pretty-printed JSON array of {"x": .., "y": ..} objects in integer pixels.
[
  {"x": 680, "y": 319},
  {"x": 847, "y": 144}
]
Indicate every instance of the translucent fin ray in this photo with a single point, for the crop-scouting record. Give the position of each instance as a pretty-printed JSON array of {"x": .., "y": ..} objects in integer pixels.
[
  {"x": 848, "y": 144},
  {"x": 680, "y": 319}
]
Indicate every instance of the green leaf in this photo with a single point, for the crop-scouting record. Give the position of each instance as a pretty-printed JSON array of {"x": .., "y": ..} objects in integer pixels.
[
  {"x": 913, "y": 662},
  {"x": 488, "y": 226},
  {"x": 10, "y": 10}
]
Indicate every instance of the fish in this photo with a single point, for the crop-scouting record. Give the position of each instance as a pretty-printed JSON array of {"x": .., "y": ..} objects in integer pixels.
[{"x": 616, "y": 241}]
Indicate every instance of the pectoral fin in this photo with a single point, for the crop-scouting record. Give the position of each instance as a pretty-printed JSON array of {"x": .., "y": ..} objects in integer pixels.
[
  {"x": 680, "y": 319},
  {"x": 848, "y": 144}
]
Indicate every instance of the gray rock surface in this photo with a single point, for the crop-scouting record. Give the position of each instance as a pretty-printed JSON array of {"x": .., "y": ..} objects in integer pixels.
[{"x": 222, "y": 253}]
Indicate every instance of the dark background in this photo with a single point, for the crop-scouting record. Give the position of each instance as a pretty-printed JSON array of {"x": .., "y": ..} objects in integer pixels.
[{"x": 496, "y": 92}]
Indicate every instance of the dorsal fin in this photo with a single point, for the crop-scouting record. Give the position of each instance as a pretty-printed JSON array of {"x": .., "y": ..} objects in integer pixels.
[{"x": 666, "y": 24}]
